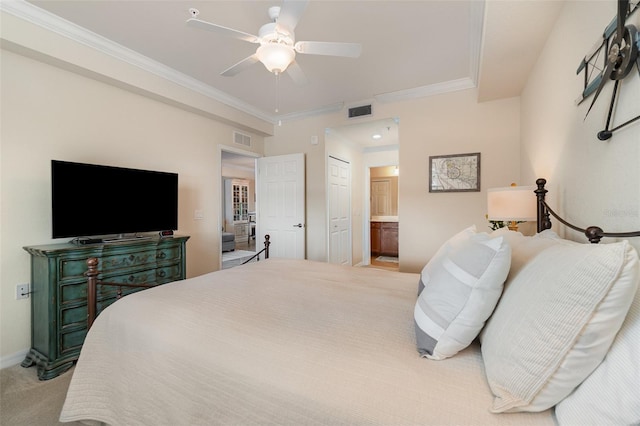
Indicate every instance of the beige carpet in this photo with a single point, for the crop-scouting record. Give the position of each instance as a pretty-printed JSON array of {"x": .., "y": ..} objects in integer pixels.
[{"x": 25, "y": 400}]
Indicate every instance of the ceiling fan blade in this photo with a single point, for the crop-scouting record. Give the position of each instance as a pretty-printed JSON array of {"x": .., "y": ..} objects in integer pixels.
[
  {"x": 296, "y": 74},
  {"x": 229, "y": 32},
  {"x": 240, "y": 66},
  {"x": 290, "y": 13},
  {"x": 350, "y": 50}
]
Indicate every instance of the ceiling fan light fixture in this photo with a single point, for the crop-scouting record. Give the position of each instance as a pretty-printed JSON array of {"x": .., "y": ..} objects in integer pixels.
[{"x": 276, "y": 57}]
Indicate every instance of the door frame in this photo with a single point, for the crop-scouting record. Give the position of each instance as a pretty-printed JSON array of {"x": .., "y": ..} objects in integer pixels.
[
  {"x": 220, "y": 214},
  {"x": 366, "y": 208}
]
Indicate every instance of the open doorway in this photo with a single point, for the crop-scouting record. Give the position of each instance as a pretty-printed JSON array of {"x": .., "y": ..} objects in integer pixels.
[
  {"x": 384, "y": 226},
  {"x": 382, "y": 172},
  {"x": 237, "y": 206}
]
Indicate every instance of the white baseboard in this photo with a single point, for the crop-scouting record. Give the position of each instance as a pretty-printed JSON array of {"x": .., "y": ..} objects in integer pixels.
[{"x": 11, "y": 360}]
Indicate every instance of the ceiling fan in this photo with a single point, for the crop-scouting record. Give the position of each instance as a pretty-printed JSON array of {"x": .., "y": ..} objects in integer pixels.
[{"x": 278, "y": 48}]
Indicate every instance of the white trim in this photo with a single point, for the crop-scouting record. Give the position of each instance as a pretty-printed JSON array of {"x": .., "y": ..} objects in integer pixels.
[
  {"x": 13, "y": 359},
  {"x": 424, "y": 91},
  {"x": 476, "y": 28},
  {"x": 310, "y": 113}
]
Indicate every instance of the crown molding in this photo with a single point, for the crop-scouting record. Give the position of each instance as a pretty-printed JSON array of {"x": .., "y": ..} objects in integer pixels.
[
  {"x": 44, "y": 19},
  {"x": 476, "y": 28},
  {"x": 327, "y": 109},
  {"x": 424, "y": 91}
]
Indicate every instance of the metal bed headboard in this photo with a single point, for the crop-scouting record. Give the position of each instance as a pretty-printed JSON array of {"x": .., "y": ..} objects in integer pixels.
[{"x": 593, "y": 233}]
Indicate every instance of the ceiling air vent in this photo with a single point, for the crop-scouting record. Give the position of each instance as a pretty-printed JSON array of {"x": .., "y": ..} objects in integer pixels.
[
  {"x": 359, "y": 111},
  {"x": 241, "y": 139}
]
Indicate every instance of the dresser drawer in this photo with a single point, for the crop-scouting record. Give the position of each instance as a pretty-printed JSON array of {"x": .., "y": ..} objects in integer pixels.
[
  {"x": 139, "y": 277},
  {"x": 73, "y": 324},
  {"x": 71, "y": 268},
  {"x": 73, "y": 316},
  {"x": 169, "y": 254},
  {"x": 73, "y": 293},
  {"x": 126, "y": 260},
  {"x": 169, "y": 273},
  {"x": 77, "y": 292},
  {"x": 71, "y": 342}
]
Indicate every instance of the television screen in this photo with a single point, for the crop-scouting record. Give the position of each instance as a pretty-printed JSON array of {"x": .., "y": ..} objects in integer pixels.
[{"x": 94, "y": 200}]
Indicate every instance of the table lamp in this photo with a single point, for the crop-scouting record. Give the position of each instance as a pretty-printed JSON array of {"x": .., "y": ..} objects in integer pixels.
[{"x": 512, "y": 204}]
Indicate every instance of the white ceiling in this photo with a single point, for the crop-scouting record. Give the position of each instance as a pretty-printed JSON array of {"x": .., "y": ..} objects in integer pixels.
[{"x": 410, "y": 48}]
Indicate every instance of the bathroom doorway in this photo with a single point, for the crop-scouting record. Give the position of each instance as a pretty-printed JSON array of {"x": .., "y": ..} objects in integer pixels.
[{"x": 384, "y": 225}]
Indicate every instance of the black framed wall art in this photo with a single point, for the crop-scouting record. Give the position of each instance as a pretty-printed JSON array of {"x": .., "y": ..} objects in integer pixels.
[{"x": 454, "y": 173}]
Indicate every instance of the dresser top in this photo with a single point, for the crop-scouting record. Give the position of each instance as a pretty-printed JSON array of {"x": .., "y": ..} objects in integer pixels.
[{"x": 150, "y": 241}]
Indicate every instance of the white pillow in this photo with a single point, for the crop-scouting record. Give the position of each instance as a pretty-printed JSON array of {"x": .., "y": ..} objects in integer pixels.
[
  {"x": 556, "y": 320},
  {"x": 611, "y": 394},
  {"x": 523, "y": 249},
  {"x": 460, "y": 237},
  {"x": 461, "y": 288}
]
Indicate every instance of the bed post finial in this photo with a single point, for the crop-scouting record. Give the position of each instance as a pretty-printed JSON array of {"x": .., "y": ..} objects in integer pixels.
[
  {"x": 267, "y": 243},
  {"x": 543, "y": 215},
  {"x": 92, "y": 283},
  {"x": 594, "y": 234}
]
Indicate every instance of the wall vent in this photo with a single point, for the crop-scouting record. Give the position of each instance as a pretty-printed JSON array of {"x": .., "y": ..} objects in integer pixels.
[
  {"x": 359, "y": 111},
  {"x": 241, "y": 139}
]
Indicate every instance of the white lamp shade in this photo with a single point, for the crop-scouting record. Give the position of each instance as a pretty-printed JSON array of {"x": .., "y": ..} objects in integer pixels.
[
  {"x": 275, "y": 56},
  {"x": 515, "y": 203}
]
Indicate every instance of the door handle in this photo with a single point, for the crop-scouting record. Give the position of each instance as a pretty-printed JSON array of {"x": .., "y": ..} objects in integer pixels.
[{"x": 298, "y": 226}]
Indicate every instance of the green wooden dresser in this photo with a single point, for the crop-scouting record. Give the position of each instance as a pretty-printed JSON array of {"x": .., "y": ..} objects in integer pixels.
[{"x": 59, "y": 290}]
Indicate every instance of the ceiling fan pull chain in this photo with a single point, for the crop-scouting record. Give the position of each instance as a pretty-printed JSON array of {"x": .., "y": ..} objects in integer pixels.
[{"x": 277, "y": 91}]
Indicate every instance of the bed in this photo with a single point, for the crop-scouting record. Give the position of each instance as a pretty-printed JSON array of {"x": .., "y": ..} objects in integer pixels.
[{"x": 303, "y": 342}]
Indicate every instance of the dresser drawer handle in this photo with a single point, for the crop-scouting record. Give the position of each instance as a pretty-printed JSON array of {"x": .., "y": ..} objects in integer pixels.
[
  {"x": 162, "y": 274},
  {"x": 162, "y": 255},
  {"x": 131, "y": 278},
  {"x": 131, "y": 258}
]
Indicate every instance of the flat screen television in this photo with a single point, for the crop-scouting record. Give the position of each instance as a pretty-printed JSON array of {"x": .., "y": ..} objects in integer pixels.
[{"x": 90, "y": 200}]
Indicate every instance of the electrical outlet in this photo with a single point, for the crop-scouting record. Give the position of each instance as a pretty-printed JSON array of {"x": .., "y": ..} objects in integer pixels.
[{"x": 22, "y": 291}]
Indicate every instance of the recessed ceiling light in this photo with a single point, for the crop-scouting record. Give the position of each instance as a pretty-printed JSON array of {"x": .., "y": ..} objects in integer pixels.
[{"x": 377, "y": 136}]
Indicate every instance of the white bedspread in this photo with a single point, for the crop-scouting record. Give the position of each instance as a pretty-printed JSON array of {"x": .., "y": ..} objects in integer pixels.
[{"x": 276, "y": 342}]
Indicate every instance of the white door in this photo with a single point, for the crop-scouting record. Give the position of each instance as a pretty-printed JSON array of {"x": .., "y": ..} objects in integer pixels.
[
  {"x": 339, "y": 184},
  {"x": 381, "y": 197},
  {"x": 280, "y": 201}
]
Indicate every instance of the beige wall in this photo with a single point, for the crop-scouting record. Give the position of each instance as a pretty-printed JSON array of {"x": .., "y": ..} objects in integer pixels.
[
  {"x": 451, "y": 124},
  {"x": 428, "y": 126},
  {"x": 50, "y": 113},
  {"x": 591, "y": 182}
]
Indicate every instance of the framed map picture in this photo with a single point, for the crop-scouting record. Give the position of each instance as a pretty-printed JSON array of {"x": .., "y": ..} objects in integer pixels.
[{"x": 454, "y": 173}]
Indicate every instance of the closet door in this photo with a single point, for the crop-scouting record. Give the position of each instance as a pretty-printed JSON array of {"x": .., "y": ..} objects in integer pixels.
[{"x": 339, "y": 206}]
